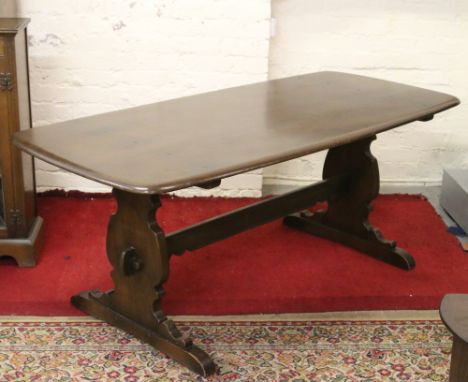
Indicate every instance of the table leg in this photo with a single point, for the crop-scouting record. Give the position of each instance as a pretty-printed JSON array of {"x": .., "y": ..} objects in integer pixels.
[
  {"x": 346, "y": 219},
  {"x": 136, "y": 248}
]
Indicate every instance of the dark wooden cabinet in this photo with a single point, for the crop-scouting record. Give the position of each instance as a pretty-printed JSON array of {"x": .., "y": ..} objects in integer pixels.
[{"x": 20, "y": 228}]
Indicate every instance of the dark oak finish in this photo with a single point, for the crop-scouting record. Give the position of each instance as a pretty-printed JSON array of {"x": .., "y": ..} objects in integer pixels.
[
  {"x": 231, "y": 223},
  {"x": 346, "y": 218},
  {"x": 454, "y": 313},
  {"x": 20, "y": 229},
  {"x": 197, "y": 141},
  {"x": 194, "y": 140},
  {"x": 136, "y": 248}
]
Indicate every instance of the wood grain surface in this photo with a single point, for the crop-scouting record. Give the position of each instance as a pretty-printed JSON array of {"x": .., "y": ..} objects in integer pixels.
[{"x": 184, "y": 142}]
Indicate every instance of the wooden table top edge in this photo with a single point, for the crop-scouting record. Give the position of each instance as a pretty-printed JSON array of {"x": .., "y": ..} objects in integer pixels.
[
  {"x": 159, "y": 188},
  {"x": 20, "y": 139}
]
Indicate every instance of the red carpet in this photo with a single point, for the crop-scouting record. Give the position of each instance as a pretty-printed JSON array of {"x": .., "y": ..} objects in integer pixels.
[{"x": 270, "y": 269}]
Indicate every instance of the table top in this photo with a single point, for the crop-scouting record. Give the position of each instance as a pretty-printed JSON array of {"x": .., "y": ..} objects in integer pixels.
[{"x": 187, "y": 141}]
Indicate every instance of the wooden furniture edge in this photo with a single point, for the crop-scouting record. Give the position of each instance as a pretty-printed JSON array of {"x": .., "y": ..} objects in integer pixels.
[
  {"x": 423, "y": 115},
  {"x": 453, "y": 312},
  {"x": 22, "y": 23},
  {"x": 25, "y": 250}
]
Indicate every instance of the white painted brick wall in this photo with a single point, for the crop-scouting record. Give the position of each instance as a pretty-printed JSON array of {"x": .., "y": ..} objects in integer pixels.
[
  {"x": 419, "y": 42},
  {"x": 93, "y": 56}
]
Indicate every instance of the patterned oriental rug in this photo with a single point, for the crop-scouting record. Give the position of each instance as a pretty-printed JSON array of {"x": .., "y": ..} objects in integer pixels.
[{"x": 365, "y": 347}]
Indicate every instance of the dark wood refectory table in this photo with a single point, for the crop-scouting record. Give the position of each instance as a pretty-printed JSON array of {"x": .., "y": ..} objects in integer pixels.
[{"x": 196, "y": 141}]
